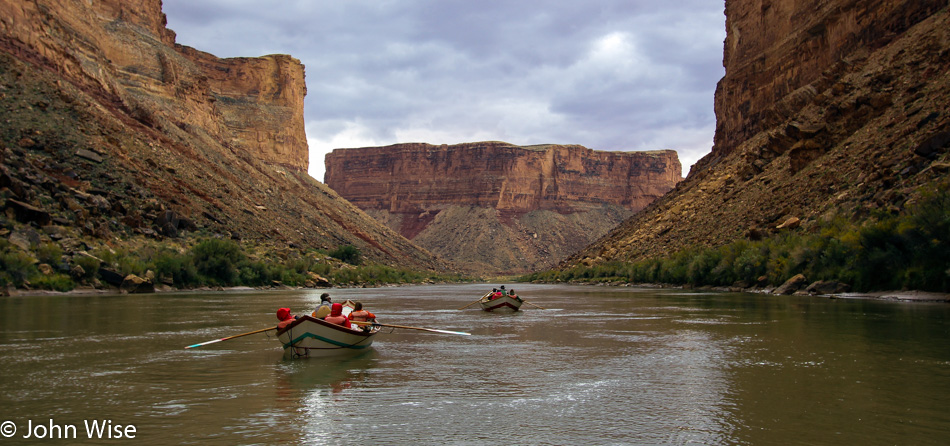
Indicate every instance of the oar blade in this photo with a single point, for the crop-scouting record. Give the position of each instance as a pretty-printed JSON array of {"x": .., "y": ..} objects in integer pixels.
[
  {"x": 449, "y": 332},
  {"x": 434, "y": 330},
  {"x": 205, "y": 343},
  {"x": 230, "y": 337}
]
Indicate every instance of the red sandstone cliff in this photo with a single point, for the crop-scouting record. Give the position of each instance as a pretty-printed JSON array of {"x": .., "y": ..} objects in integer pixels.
[
  {"x": 121, "y": 52},
  {"x": 523, "y": 195},
  {"x": 827, "y": 107},
  {"x": 418, "y": 177},
  {"x": 111, "y": 129}
]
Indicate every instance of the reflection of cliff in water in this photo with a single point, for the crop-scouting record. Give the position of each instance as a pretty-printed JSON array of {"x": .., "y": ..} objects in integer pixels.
[{"x": 305, "y": 377}]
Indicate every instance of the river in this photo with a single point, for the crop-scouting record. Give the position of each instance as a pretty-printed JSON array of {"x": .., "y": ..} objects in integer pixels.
[{"x": 596, "y": 366}]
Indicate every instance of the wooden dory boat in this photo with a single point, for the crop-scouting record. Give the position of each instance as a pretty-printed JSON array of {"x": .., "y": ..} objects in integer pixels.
[
  {"x": 501, "y": 304},
  {"x": 309, "y": 336}
]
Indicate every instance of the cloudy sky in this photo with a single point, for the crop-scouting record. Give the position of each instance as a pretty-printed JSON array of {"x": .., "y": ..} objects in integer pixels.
[{"x": 605, "y": 74}]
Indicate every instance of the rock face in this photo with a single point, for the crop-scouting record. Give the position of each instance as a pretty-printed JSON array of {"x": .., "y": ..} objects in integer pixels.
[
  {"x": 523, "y": 195},
  {"x": 827, "y": 107},
  {"x": 775, "y": 48},
  {"x": 110, "y": 127},
  {"x": 122, "y": 52}
]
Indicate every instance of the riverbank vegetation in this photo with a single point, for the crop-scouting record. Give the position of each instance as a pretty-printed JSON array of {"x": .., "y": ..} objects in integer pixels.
[
  {"x": 909, "y": 250},
  {"x": 207, "y": 262}
]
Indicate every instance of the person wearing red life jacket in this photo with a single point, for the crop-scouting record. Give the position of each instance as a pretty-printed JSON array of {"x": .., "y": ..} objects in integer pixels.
[
  {"x": 336, "y": 316},
  {"x": 361, "y": 315},
  {"x": 285, "y": 318}
]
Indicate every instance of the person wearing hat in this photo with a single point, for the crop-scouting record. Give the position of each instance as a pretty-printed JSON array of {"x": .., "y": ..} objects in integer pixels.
[
  {"x": 337, "y": 317},
  {"x": 323, "y": 310},
  {"x": 285, "y": 318}
]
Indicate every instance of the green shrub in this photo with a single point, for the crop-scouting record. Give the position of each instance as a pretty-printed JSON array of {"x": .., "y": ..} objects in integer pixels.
[
  {"x": 180, "y": 268},
  {"x": 55, "y": 282},
  {"x": 217, "y": 260},
  {"x": 89, "y": 265},
  {"x": 906, "y": 251},
  {"x": 16, "y": 267},
  {"x": 49, "y": 253},
  {"x": 349, "y": 254}
]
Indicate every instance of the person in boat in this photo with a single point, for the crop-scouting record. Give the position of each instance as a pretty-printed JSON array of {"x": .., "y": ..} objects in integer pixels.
[
  {"x": 499, "y": 293},
  {"x": 511, "y": 294},
  {"x": 492, "y": 294},
  {"x": 360, "y": 315},
  {"x": 336, "y": 316},
  {"x": 284, "y": 318},
  {"x": 323, "y": 310}
]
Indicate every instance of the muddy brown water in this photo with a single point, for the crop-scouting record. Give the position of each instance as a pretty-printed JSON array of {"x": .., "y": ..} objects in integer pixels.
[{"x": 598, "y": 366}]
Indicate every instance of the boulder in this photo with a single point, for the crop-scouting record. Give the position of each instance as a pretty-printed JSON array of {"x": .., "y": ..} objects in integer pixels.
[
  {"x": 790, "y": 223},
  {"x": 89, "y": 155},
  {"x": 26, "y": 213},
  {"x": 317, "y": 281},
  {"x": 827, "y": 287},
  {"x": 111, "y": 277},
  {"x": 136, "y": 285},
  {"x": 25, "y": 238},
  {"x": 77, "y": 272},
  {"x": 791, "y": 285}
]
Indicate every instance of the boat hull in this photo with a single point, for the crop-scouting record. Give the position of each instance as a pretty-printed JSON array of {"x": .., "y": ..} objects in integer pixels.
[
  {"x": 308, "y": 336},
  {"x": 504, "y": 304}
]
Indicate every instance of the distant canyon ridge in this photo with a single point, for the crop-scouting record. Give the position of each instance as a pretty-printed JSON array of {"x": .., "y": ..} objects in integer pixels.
[{"x": 497, "y": 208}]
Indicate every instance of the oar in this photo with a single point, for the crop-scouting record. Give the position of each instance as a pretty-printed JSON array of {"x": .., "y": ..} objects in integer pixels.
[
  {"x": 473, "y": 303},
  {"x": 529, "y": 303},
  {"x": 231, "y": 337},
  {"x": 414, "y": 328}
]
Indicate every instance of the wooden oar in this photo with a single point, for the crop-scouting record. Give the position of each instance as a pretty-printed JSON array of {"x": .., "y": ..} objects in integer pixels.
[
  {"x": 473, "y": 303},
  {"x": 231, "y": 337},
  {"x": 529, "y": 303},
  {"x": 414, "y": 328}
]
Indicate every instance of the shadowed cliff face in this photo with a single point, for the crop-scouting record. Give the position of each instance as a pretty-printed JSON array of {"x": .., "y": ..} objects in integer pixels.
[
  {"x": 827, "y": 107},
  {"x": 775, "y": 47},
  {"x": 98, "y": 101},
  {"x": 537, "y": 203}
]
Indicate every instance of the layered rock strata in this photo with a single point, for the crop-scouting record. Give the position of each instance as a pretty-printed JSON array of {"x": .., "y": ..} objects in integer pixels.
[
  {"x": 831, "y": 107},
  {"x": 430, "y": 192},
  {"x": 774, "y": 48},
  {"x": 109, "y": 125},
  {"x": 122, "y": 52}
]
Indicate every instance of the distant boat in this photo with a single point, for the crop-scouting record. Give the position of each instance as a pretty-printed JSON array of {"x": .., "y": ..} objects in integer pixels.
[
  {"x": 309, "y": 336},
  {"x": 501, "y": 304}
]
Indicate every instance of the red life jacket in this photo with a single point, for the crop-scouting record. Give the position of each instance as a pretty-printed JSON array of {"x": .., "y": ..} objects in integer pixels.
[
  {"x": 282, "y": 324},
  {"x": 336, "y": 316}
]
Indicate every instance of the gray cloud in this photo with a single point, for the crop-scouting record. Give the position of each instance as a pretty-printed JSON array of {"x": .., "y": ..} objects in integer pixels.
[{"x": 607, "y": 74}]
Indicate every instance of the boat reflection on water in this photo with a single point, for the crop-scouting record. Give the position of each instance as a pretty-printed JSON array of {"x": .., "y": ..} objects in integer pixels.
[{"x": 296, "y": 378}]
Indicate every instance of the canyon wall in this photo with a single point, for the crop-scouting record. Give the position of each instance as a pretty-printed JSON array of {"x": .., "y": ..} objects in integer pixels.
[
  {"x": 827, "y": 108},
  {"x": 775, "y": 47},
  {"x": 121, "y": 52},
  {"x": 541, "y": 202},
  {"x": 112, "y": 131},
  {"x": 407, "y": 178}
]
